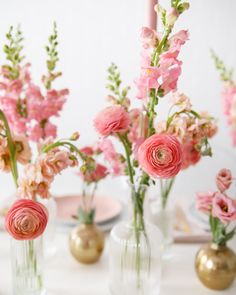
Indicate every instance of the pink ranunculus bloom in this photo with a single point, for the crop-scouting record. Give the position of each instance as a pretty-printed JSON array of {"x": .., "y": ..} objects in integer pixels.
[
  {"x": 223, "y": 208},
  {"x": 148, "y": 37},
  {"x": 223, "y": 180},
  {"x": 113, "y": 119},
  {"x": 160, "y": 156},
  {"x": 97, "y": 174},
  {"x": 26, "y": 220},
  {"x": 191, "y": 155},
  {"x": 204, "y": 201}
]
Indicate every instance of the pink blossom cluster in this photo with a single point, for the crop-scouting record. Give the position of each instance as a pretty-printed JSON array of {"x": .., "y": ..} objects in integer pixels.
[
  {"x": 112, "y": 157},
  {"x": 28, "y": 110},
  {"x": 190, "y": 129},
  {"x": 98, "y": 171},
  {"x": 218, "y": 203},
  {"x": 229, "y": 103},
  {"x": 164, "y": 75},
  {"x": 38, "y": 176}
]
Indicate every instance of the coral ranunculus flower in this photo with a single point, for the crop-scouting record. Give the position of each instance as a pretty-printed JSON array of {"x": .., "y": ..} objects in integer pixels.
[
  {"x": 160, "y": 156},
  {"x": 26, "y": 219},
  {"x": 112, "y": 119}
]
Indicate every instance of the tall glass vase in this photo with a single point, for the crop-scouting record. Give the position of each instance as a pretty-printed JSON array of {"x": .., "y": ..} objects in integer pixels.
[
  {"x": 135, "y": 253},
  {"x": 27, "y": 267},
  {"x": 159, "y": 211}
]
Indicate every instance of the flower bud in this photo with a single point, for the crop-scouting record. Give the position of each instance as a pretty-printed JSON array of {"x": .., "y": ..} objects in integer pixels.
[{"x": 75, "y": 136}]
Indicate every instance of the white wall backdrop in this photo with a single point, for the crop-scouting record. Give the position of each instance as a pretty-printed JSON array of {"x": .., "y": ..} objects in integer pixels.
[{"x": 92, "y": 33}]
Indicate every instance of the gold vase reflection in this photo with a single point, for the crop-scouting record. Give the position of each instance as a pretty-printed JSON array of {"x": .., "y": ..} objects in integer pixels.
[
  {"x": 216, "y": 266},
  {"x": 86, "y": 243}
]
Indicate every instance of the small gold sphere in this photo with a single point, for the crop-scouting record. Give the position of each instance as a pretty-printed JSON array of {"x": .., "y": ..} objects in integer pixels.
[
  {"x": 86, "y": 243},
  {"x": 216, "y": 266}
]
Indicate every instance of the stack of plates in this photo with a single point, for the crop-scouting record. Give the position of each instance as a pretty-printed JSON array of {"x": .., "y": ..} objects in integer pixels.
[{"x": 108, "y": 211}]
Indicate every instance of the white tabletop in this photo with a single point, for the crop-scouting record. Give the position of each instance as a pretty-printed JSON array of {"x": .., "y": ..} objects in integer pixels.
[{"x": 65, "y": 276}]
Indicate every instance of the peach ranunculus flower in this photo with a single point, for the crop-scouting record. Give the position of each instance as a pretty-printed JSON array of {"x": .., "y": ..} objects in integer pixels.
[
  {"x": 161, "y": 156},
  {"x": 223, "y": 208},
  {"x": 204, "y": 201},
  {"x": 26, "y": 220},
  {"x": 113, "y": 119},
  {"x": 223, "y": 179}
]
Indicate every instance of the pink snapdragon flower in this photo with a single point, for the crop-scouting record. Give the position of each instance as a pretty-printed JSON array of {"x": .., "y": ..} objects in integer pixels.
[
  {"x": 28, "y": 110},
  {"x": 160, "y": 156},
  {"x": 113, "y": 119},
  {"x": 38, "y": 176},
  {"x": 223, "y": 208},
  {"x": 148, "y": 37},
  {"x": 26, "y": 220},
  {"x": 170, "y": 70},
  {"x": 111, "y": 156}
]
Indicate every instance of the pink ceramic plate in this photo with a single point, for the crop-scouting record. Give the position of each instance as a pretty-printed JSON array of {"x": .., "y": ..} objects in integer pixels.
[{"x": 107, "y": 208}]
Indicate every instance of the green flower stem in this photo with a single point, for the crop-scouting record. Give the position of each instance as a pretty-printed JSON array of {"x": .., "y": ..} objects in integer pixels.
[
  {"x": 220, "y": 235},
  {"x": 12, "y": 148},
  {"x": 165, "y": 191},
  {"x": 67, "y": 144},
  {"x": 153, "y": 92},
  {"x": 127, "y": 152}
]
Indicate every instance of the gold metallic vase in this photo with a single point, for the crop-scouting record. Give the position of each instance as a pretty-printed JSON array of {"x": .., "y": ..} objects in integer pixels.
[
  {"x": 216, "y": 266},
  {"x": 86, "y": 243}
]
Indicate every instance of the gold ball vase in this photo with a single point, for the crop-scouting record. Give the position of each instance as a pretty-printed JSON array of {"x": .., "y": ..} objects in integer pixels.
[
  {"x": 86, "y": 243},
  {"x": 216, "y": 266}
]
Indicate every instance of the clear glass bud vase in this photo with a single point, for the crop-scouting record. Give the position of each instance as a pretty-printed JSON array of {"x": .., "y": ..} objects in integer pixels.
[
  {"x": 161, "y": 212},
  {"x": 135, "y": 253},
  {"x": 27, "y": 267}
]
